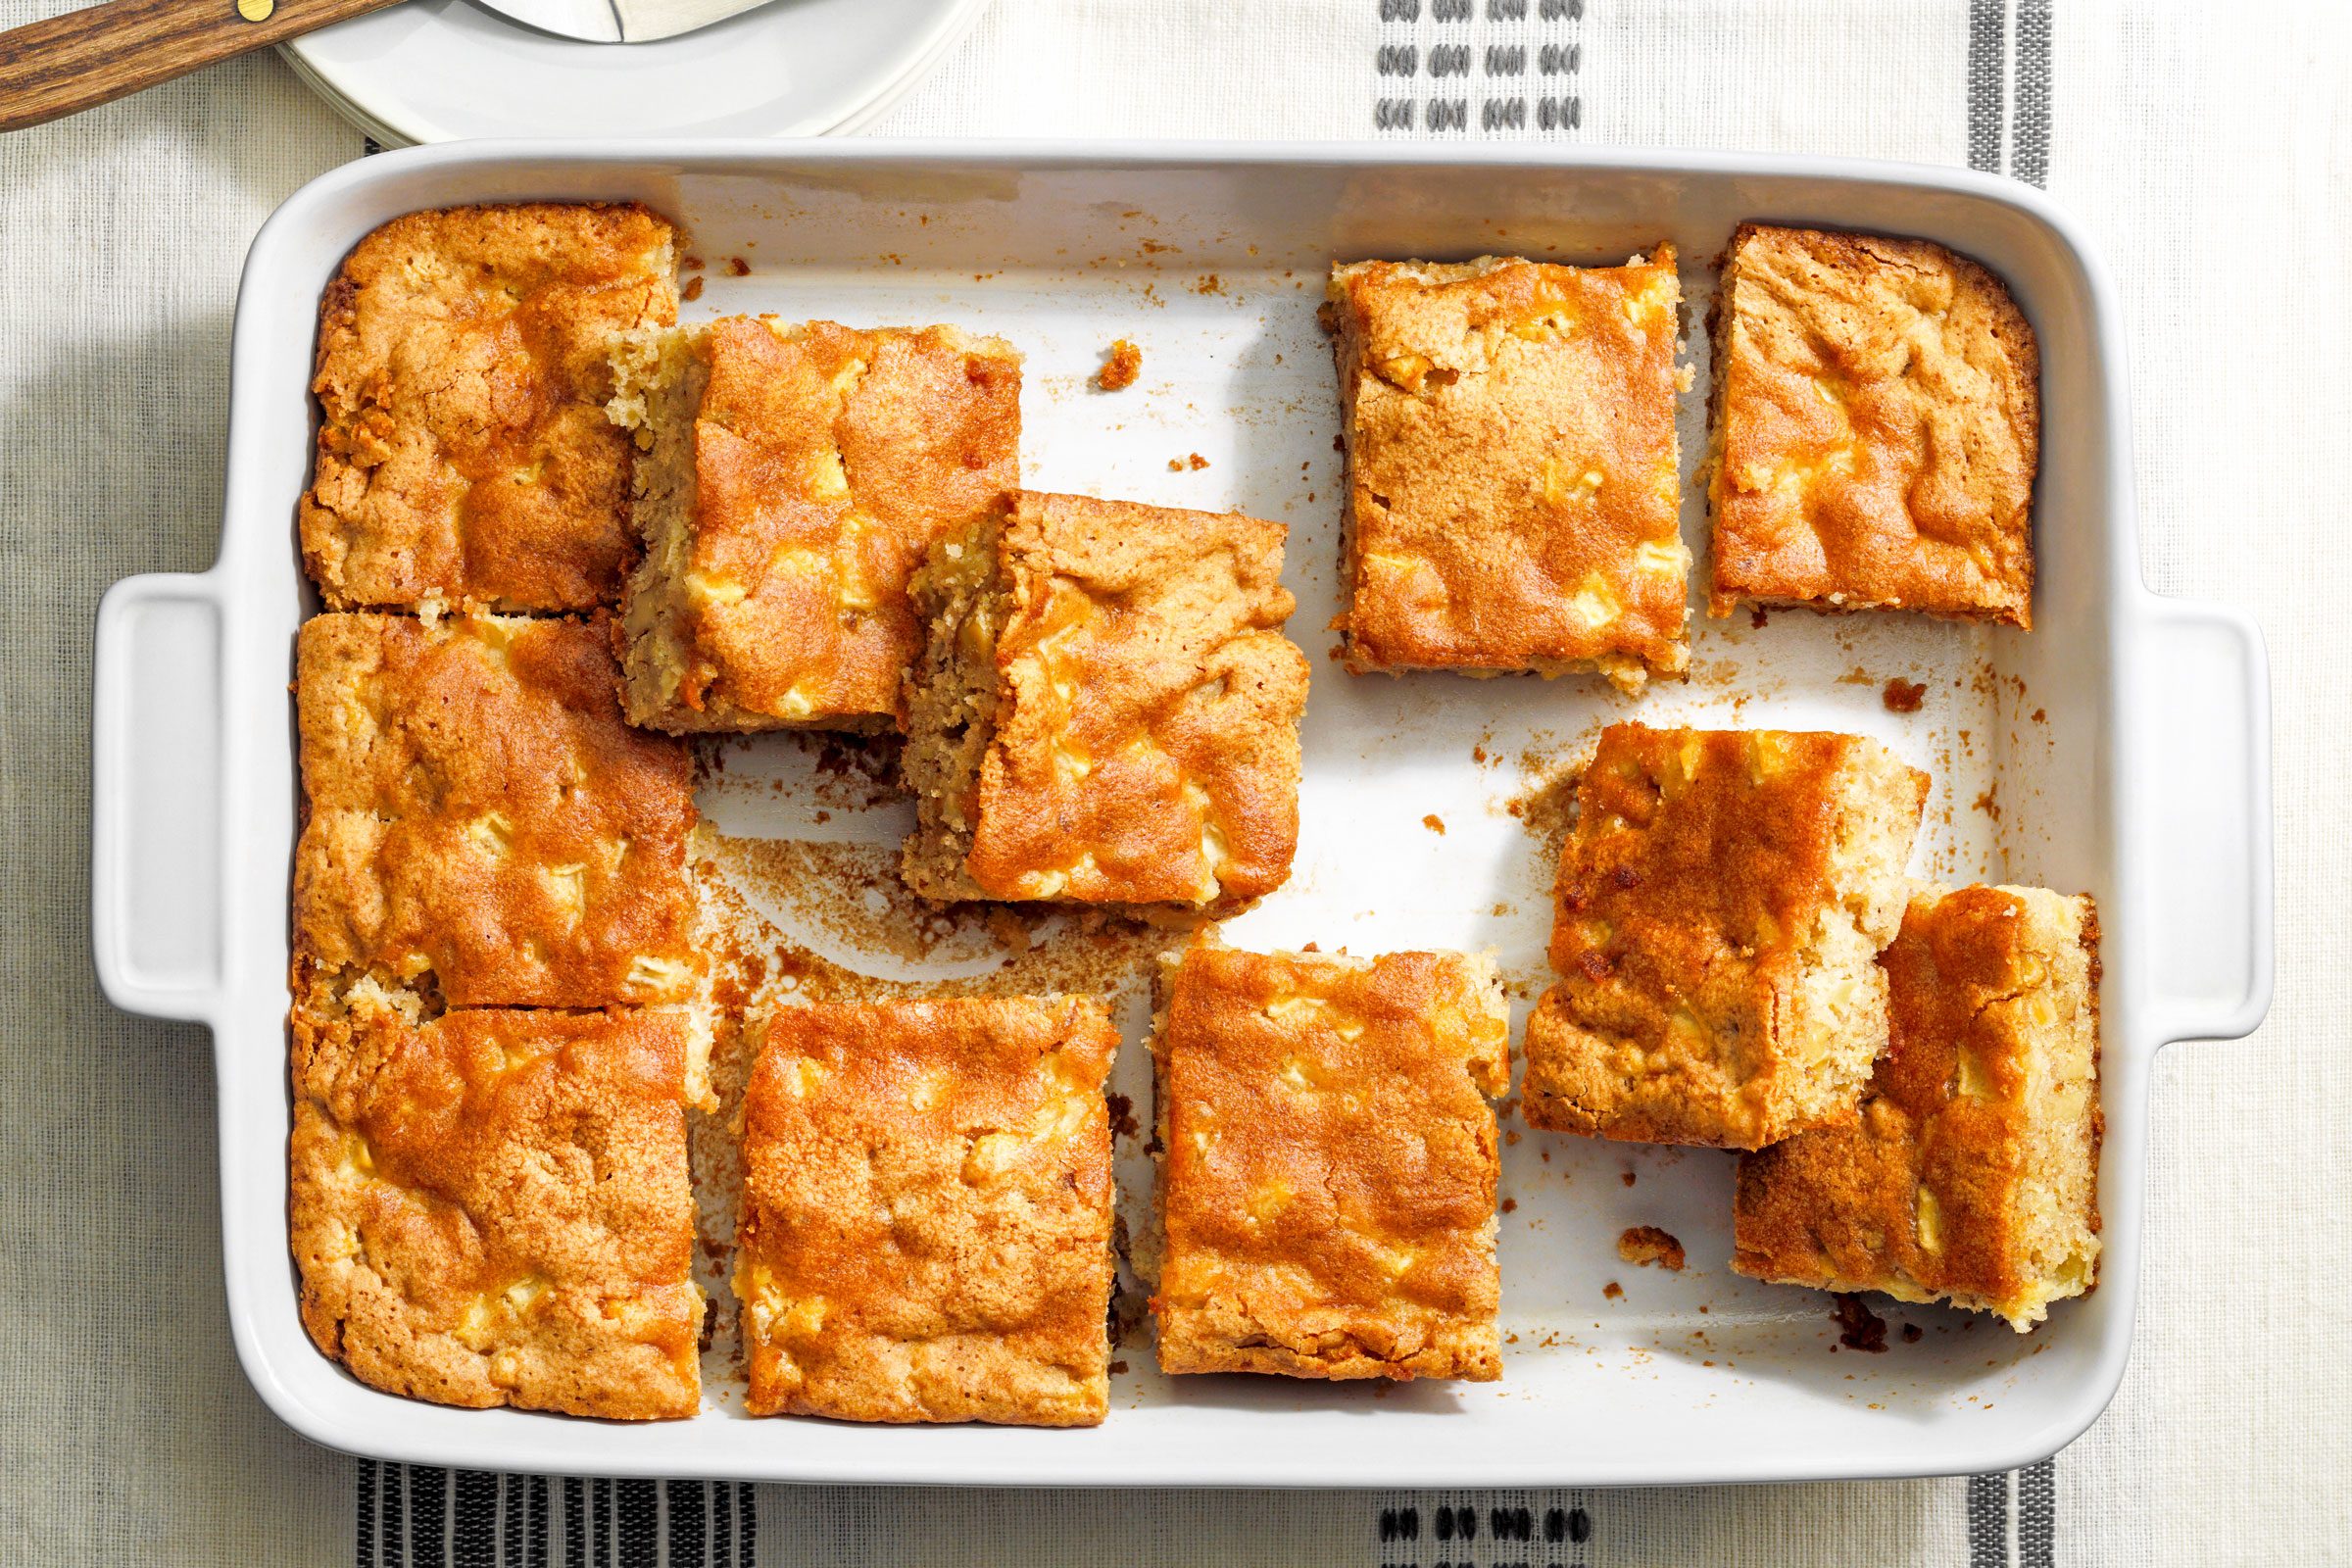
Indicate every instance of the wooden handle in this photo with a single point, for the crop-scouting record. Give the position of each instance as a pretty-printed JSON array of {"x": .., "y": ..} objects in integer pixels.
[{"x": 84, "y": 57}]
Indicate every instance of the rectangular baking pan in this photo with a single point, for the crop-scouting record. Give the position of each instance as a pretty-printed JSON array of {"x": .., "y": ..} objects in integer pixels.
[{"x": 2121, "y": 748}]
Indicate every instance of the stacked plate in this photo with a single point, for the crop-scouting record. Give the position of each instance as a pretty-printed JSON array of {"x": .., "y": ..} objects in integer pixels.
[{"x": 441, "y": 70}]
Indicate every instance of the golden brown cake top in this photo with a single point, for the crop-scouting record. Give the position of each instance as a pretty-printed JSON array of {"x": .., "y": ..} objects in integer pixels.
[
  {"x": 492, "y": 1207},
  {"x": 1879, "y": 410},
  {"x": 1328, "y": 1185},
  {"x": 928, "y": 1211},
  {"x": 479, "y": 813},
  {"x": 827, "y": 460},
  {"x": 463, "y": 452},
  {"x": 1713, "y": 882},
  {"x": 1979, "y": 1136},
  {"x": 1147, "y": 742},
  {"x": 1694, "y": 847},
  {"x": 1514, "y": 488}
]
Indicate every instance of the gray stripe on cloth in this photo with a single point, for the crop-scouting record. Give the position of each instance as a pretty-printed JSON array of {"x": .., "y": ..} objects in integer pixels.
[
  {"x": 474, "y": 1520},
  {"x": 1989, "y": 1520},
  {"x": 2029, "y": 116},
  {"x": 2037, "y": 1515},
  {"x": 1987, "y": 50},
  {"x": 364, "y": 1517},
  {"x": 392, "y": 1546}
]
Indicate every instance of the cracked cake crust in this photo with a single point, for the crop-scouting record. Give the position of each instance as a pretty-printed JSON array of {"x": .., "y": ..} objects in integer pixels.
[
  {"x": 479, "y": 822},
  {"x": 491, "y": 1207},
  {"x": 1878, "y": 421},
  {"x": 1108, "y": 711},
  {"x": 793, "y": 476},
  {"x": 463, "y": 457},
  {"x": 1326, "y": 1193},
  {"x": 1719, "y": 906},
  {"x": 1971, "y": 1174},
  {"x": 927, "y": 1212},
  {"x": 1514, "y": 483}
]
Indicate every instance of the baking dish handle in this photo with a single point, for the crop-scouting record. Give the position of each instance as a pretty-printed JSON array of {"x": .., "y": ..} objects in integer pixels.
[
  {"x": 2204, "y": 782},
  {"x": 156, "y": 796}
]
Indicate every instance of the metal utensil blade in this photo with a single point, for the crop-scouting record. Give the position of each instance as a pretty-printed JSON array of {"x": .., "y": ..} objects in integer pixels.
[
  {"x": 644, "y": 20},
  {"x": 590, "y": 21}
]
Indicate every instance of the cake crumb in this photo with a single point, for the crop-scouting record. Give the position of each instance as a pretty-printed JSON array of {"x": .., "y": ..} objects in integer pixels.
[
  {"x": 692, "y": 291},
  {"x": 1435, "y": 823},
  {"x": 1913, "y": 1334},
  {"x": 1122, "y": 365},
  {"x": 1122, "y": 1115},
  {"x": 1646, "y": 1245},
  {"x": 1757, "y": 619},
  {"x": 1613, "y": 1290},
  {"x": 1194, "y": 462},
  {"x": 1510, "y": 1205},
  {"x": 1903, "y": 696},
  {"x": 1858, "y": 1327},
  {"x": 737, "y": 267}
]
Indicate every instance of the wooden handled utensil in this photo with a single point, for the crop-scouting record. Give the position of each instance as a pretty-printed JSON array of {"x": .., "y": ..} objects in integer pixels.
[
  {"x": 96, "y": 54},
  {"x": 84, "y": 57}
]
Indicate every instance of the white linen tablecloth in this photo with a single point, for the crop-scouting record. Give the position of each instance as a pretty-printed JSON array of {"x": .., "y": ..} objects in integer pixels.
[{"x": 2209, "y": 149}]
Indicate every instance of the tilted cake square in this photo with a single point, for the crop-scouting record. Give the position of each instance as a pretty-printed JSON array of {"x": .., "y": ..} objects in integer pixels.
[
  {"x": 1971, "y": 1173},
  {"x": 792, "y": 478},
  {"x": 464, "y": 455},
  {"x": 1108, "y": 711},
  {"x": 491, "y": 1207},
  {"x": 1329, "y": 1164},
  {"x": 927, "y": 1212},
  {"x": 1513, "y": 489},
  {"x": 1877, "y": 424},
  {"x": 480, "y": 824},
  {"x": 1719, "y": 904}
]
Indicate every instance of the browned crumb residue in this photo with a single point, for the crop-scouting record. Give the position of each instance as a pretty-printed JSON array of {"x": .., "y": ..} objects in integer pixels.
[
  {"x": 1646, "y": 1245},
  {"x": 1435, "y": 823},
  {"x": 1194, "y": 462},
  {"x": 692, "y": 291},
  {"x": 1913, "y": 1333},
  {"x": 1613, "y": 1290},
  {"x": 855, "y": 772},
  {"x": 850, "y": 897},
  {"x": 1626, "y": 1177},
  {"x": 1858, "y": 1327},
  {"x": 1510, "y": 1205},
  {"x": 1209, "y": 283},
  {"x": 737, "y": 267},
  {"x": 1757, "y": 619},
  {"x": 1903, "y": 696},
  {"x": 1122, "y": 1116},
  {"x": 1120, "y": 367},
  {"x": 1546, "y": 805}
]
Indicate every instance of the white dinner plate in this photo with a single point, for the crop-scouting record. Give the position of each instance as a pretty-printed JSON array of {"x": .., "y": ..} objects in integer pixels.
[{"x": 442, "y": 69}]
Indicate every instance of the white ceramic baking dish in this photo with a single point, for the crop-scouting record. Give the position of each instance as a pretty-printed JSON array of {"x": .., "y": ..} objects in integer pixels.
[{"x": 2122, "y": 747}]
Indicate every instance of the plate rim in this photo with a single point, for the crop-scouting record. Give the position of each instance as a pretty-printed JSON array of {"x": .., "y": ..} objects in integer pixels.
[{"x": 950, "y": 26}]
